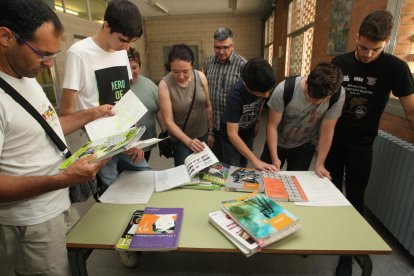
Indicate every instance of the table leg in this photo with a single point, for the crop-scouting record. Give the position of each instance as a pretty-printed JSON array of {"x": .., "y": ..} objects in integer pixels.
[
  {"x": 365, "y": 263},
  {"x": 77, "y": 260}
]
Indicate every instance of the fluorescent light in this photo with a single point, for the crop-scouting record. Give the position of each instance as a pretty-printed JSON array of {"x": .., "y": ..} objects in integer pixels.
[
  {"x": 59, "y": 8},
  {"x": 158, "y": 6}
]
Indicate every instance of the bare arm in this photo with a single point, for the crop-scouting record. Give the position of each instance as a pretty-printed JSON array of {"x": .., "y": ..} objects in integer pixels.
[
  {"x": 167, "y": 113},
  {"x": 238, "y": 143},
  {"x": 160, "y": 121},
  {"x": 326, "y": 133},
  {"x": 14, "y": 188},
  {"x": 408, "y": 105},
  {"x": 209, "y": 109},
  {"x": 273, "y": 121}
]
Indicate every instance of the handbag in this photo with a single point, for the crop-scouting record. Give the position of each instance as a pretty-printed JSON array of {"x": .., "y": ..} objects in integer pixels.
[
  {"x": 168, "y": 146},
  {"x": 78, "y": 193}
]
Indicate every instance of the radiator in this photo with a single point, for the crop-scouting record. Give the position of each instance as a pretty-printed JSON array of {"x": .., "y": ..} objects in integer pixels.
[{"x": 390, "y": 192}]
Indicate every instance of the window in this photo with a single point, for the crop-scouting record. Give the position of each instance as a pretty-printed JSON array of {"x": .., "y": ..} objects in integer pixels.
[
  {"x": 300, "y": 37},
  {"x": 268, "y": 42}
]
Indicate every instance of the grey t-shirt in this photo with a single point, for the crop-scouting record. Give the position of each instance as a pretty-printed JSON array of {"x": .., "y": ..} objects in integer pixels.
[{"x": 301, "y": 119}]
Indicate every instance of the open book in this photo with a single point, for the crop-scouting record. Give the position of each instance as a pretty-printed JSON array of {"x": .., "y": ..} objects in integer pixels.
[
  {"x": 106, "y": 147},
  {"x": 181, "y": 175}
]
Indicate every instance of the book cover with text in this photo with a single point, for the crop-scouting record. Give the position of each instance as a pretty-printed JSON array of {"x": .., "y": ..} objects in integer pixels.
[
  {"x": 158, "y": 230},
  {"x": 264, "y": 220},
  {"x": 125, "y": 240}
]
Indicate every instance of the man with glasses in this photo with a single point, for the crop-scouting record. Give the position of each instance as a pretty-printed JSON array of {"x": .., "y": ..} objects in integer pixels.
[
  {"x": 293, "y": 128},
  {"x": 97, "y": 72},
  {"x": 35, "y": 209},
  {"x": 370, "y": 75},
  {"x": 222, "y": 70}
]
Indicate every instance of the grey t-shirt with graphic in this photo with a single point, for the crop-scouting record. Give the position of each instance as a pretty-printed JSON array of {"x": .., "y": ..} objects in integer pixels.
[{"x": 301, "y": 119}]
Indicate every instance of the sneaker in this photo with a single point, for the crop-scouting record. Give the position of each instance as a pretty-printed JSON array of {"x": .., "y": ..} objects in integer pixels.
[
  {"x": 344, "y": 267},
  {"x": 129, "y": 259}
]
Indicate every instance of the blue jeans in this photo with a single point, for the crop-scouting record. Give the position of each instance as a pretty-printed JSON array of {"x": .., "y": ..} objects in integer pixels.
[
  {"x": 298, "y": 159},
  {"x": 231, "y": 155},
  {"x": 119, "y": 163},
  {"x": 183, "y": 151}
]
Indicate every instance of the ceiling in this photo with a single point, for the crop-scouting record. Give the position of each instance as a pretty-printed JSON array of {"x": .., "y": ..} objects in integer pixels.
[
  {"x": 149, "y": 8},
  {"x": 154, "y": 8}
]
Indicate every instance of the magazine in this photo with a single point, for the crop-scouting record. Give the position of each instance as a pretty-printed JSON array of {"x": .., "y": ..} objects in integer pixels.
[
  {"x": 182, "y": 175},
  {"x": 106, "y": 147},
  {"x": 244, "y": 180},
  {"x": 216, "y": 174}
]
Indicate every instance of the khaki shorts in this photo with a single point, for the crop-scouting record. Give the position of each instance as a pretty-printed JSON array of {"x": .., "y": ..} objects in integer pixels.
[{"x": 38, "y": 249}]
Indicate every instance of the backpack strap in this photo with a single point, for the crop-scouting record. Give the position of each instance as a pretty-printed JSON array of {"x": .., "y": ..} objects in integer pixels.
[
  {"x": 288, "y": 90},
  {"x": 335, "y": 97}
]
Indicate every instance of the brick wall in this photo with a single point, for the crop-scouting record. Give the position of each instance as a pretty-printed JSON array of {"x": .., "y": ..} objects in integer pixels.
[
  {"x": 198, "y": 30},
  {"x": 404, "y": 48}
]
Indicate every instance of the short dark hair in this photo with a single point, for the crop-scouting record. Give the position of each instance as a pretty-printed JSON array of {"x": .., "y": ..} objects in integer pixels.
[
  {"x": 24, "y": 17},
  {"x": 223, "y": 33},
  {"x": 134, "y": 55},
  {"x": 324, "y": 80},
  {"x": 179, "y": 52},
  {"x": 124, "y": 17},
  {"x": 377, "y": 26},
  {"x": 257, "y": 75}
]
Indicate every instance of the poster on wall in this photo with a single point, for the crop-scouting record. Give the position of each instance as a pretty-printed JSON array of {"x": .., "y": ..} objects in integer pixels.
[{"x": 339, "y": 26}]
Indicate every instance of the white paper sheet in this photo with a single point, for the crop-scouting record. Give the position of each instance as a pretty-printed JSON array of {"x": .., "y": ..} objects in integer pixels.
[
  {"x": 128, "y": 111},
  {"x": 171, "y": 178},
  {"x": 130, "y": 188},
  {"x": 320, "y": 191}
]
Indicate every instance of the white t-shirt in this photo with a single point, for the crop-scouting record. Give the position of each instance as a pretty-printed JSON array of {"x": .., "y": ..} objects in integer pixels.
[
  {"x": 100, "y": 77},
  {"x": 26, "y": 150}
]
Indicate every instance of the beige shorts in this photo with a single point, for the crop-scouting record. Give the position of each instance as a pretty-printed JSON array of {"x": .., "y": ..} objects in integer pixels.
[{"x": 38, "y": 249}]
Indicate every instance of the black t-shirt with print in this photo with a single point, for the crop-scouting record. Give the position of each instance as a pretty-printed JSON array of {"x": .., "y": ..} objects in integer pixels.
[
  {"x": 112, "y": 83},
  {"x": 243, "y": 108},
  {"x": 368, "y": 86}
]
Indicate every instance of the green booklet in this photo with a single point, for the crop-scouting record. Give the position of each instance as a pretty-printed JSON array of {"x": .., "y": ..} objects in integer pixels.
[{"x": 107, "y": 147}]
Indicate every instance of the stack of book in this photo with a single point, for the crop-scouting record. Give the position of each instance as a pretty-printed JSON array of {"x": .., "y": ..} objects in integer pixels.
[
  {"x": 154, "y": 229},
  {"x": 253, "y": 222}
]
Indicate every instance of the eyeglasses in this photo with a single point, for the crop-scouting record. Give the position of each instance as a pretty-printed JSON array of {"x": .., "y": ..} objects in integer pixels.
[
  {"x": 43, "y": 57},
  {"x": 219, "y": 48}
]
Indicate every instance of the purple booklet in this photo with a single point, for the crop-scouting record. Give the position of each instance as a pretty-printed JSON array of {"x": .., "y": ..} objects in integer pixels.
[{"x": 158, "y": 230}]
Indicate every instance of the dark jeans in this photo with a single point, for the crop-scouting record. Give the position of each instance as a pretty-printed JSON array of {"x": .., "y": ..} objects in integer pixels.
[
  {"x": 217, "y": 145},
  {"x": 183, "y": 151},
  {"x": 231, "y": 155},
  {"x": 298, "y": 159},
  {"x": 356, "y": 164}
]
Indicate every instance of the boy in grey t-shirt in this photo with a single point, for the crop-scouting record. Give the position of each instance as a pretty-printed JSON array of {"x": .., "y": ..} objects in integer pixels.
[{"x": 293, "y": 130}]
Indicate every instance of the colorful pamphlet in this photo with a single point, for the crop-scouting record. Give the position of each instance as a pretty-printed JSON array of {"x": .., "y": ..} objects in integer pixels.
[
  {"x": 129, "y": 232},
  {"x": 244, "y": 180},
  {"x": 158, "y": 230},
  {"x": 217, "y": 173},
  {"x": 262, "y": 218},
  {"x": 106, "y": 147}
]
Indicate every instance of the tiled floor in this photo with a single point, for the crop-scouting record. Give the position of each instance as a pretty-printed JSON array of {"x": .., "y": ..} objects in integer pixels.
[{"x": 107, "y": 262}]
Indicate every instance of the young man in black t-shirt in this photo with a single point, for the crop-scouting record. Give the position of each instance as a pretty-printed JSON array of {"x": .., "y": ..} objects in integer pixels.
[
  {"x": 241, "y": 115},
  {"x": 369, "y": 77}
]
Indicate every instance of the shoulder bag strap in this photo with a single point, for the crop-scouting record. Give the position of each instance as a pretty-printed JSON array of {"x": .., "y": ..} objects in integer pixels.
[
  {"x": 192, "y": 102},
  {"x": 32, "y": 111}
]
